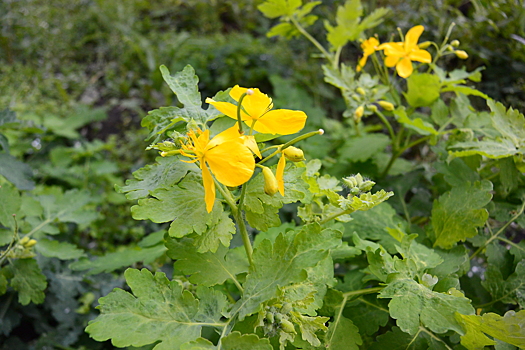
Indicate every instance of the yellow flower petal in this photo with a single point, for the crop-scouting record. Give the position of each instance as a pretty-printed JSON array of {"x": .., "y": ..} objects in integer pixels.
[
  {"x": 420, "y": 56},
  {"x": 249, "y": 141},
  {"x": 255, "y": 105},
  {"x": 231, "y": 162},
  {"x": 412, "y": 37},
  {"x": 404, "y": 68},
  {"x": 392, "y": 49},
  {"x": 228, "y": 109},
  {"x": 209, "y": 187},
  {"x": 391, "y": 61},
  {"x": 279, "y": 174},
  {"x": 281, "y": 121}
]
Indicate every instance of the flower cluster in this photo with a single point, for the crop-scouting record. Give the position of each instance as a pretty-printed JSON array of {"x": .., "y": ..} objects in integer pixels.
[
  {"x": 229, "y": 156},
  {"x": 398, "y": 54}
]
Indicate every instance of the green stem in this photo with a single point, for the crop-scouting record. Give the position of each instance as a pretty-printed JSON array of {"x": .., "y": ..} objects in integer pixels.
[
  {"x": 362, "y": 292},
  {"x": 312, "y": 39},
  {"x": 239, "y": 107},
  {"x": 500, "y": 231},
  {"x": 432, "y": 335},
  {"x": 336, "y": 215},
  {"x": 397, "y": 154},
  {"x": 387, "y": 124}
]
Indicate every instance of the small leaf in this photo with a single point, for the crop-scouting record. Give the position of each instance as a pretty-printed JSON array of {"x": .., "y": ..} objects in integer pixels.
[
  {"x": 18, "y": 173},
  {"x": 278, "y": 8},
  {"x": 28, "y": 280},
  {"x": 418, "y": 125}
]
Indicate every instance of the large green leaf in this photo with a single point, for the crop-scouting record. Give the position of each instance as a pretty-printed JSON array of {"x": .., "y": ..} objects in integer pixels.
[
  {"x": 422, "y": 89},
  {"x": 284, "y": 262},
  {"x": 509, "y": 328},
  {"x": 413, "y": 304},
  {"x": 342, "y": 334},
  {"x": 56, "y": 249},
  {"x": 457, "y": 214},
  {"x": 398, "y": 340},
  {"x": 207, "y": 269},
  {"x": 27, "y": 280},
  {"x": 10, "y": 205},
  {"x": 157, "y": 311},
  {"x": 510, "y": 290},
  {"x": 18, "y": 173}
]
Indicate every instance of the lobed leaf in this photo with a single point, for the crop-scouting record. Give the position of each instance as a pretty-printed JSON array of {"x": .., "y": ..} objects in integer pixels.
[{"x": 27, "y": 280}]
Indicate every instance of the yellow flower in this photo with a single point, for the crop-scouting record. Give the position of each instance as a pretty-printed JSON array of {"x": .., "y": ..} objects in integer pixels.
[
  {"x": 369, "y": 46},
  {"x": 291, "y": 153},
  {"x": 226, "y": 155},
  {"x": 402, "y": 54},
  {"x": 257, "y": 113}
]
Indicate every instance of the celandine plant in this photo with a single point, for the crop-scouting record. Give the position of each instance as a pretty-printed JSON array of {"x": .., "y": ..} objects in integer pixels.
[{"x": 342, "y": 272}]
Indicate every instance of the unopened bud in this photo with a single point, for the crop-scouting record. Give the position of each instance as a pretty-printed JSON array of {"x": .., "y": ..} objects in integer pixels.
[
  {"x": 424, "y": 45},
  {"x": 287, "y": 326},
  {"x": 358, "y": 114},
  {"x": 461, "y": 54},
  {"x": 31, "y": 243},
  {"x": 454, "y": 43},
  {"x": 270, "y": 182},
  {"x": 387, "y": 106},
  {"x": 450, "y": 48},
  {"x": 356, "y": 97},
  {"x": 361, "y": 91},
  {"x": 249, "y": 92},
  {"x": 372, "y": 108},
  {"x": 24, "y": 240},
  {"x": 294, "y": 154}
]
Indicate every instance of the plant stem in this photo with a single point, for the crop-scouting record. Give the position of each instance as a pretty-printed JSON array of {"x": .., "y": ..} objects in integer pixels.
[
  {"x": 291, "y": 142},
  {"x": 387, "y": 124},
  {"x": 432, "y": 335},
  {"x": 336, "y": 215},
  {"x": 500, "y": 231},
  {"x": 239, "y": 106},
  {"x": 320, "y": 47},
  {"x": 362, "y": 292}
]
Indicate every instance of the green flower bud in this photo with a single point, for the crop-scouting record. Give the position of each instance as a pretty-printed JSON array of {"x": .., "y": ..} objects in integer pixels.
[
  {"x": 361, "y": 91},
  {"x": 293, "y": 154},
  {"x": 372, "y": 108},
  {"x": 24, "y": 240},
  {"x": 455, "y": 43},
  {"x": 30, "y": 243},
  {"x": 287, "y": 326},
  {"x": 269, "y": 317},
  {"x": 287, "y": 307}
]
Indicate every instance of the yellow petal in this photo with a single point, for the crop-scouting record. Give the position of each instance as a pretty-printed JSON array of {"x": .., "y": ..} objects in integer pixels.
[
  {"x": 249, "y": 141},
  {"x": 228, "y": 109},
  {"x": 391, "y": 61},
  {"x": 209, "y": 187},
  {"x": 281, "y": 121},
  {"x": 229, "y": 134},
  {"x": 256, "y": 104},
  {"x": 420, "y": 56},
  {"x": 392, "y": 49},
  {"x": 279, "y": 174},
  {"x": 231, "y": 162},
  {"x": 362, "y": 63},
  {"x": 404, "y": 68},
  {"x": 412, "y": 37}
]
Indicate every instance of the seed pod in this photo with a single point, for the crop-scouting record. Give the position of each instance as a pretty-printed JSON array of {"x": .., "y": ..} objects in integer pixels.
[
  {"x": 294, "y": 154},
  {"x": 461, "y": 54},
  {"x": 270, "y": 182},
  {"x": 387, "y": 106}
]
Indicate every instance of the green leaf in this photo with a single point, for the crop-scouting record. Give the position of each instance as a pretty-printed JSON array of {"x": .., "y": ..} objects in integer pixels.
[
  {"x": 510, "y": 123},
  {"x": 284, "y": 262},
  {"x": 418, "y": 125},
  {"x": 28, "y": 281},
  {"x": 123, "y": 258},
  {"x": 440, "y": 113},
  {"x": 238, "y": 341},
  {"x": 18, "y": 173},
  {"x": 457, "y": 172},
  {"x": 509, "y": 291},
  {"x": 309, "y": 326},
  {"x": 368, "y": 313},
  {"x": 198, "y": 344},
  {"x": 165, "y": 173},
  {"x": 184, "y": 205},
  {"x": 157, "y": 311},
  {"x": 160, "y": 120},
  {"x": 360, "y": 149},
  {"x": 493, "y": 149},
  {"x": 508, "y": 328},
  {"x": 422, "y": 89},
  {"x": 207, "y": 269},
  {"x": 342, "y": 78},
  {"x": 278, "y": 8},
  {"x": 413, "y": 303},
  {"x": 184, "y": 84},
  {"x": 398, "y": 340},
  {"x": 342, "y": 334},
  {"x": 457, "y": 214},
  {"x": 56, "y": 249},
  {"x": 365, "y": 201},
  {"x": 11, "y": 202}
]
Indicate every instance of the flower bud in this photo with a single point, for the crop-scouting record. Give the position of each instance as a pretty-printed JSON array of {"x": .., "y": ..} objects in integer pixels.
[
  {"x": 455, "y": 43},
  {"x": 424, "y": 45},
  {"x": 356, "y": 97},
  {"x": 270, "y": 182},
  {"x": 294, "y": 154},
  {"x": 461, "y": 54},
  {"x": 30, "y": 243},
  {"x": 358, "y": 114},
  {"x": 372, "y": 108},
  {"x": 387, "y": 106},
  {"x": 361, "y": 91},
  {"x": 450, "y": 48},
  {"x": 287, "y": 326},
  {"x": 24, "y": 240}
]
